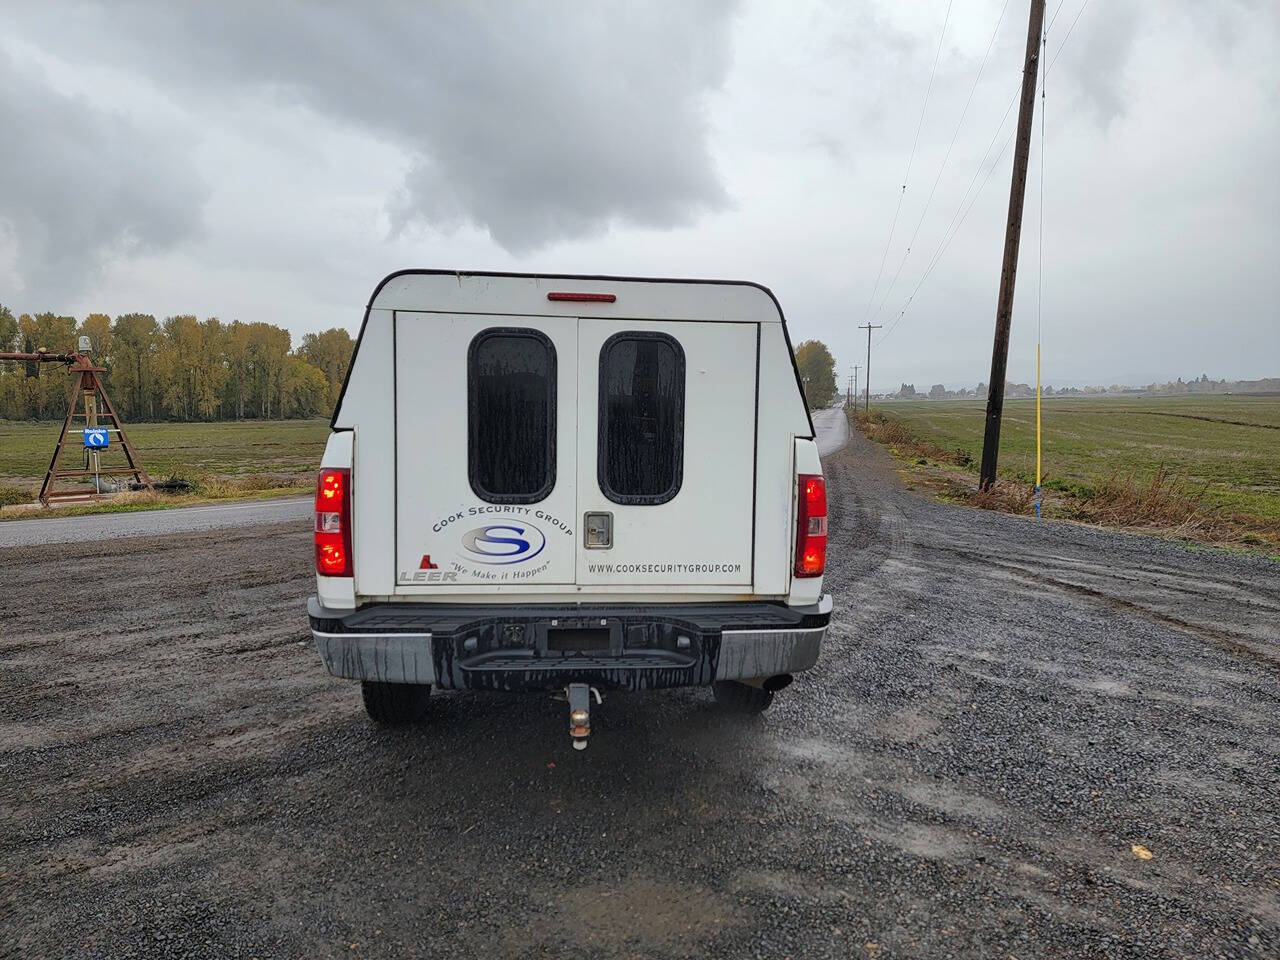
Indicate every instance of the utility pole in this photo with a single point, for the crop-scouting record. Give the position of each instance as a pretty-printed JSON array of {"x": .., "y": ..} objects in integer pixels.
[
  {"x": 868, "y": 327},
  {"x": 1012, "y": 235},
  {"x": 855, "y": 383}
]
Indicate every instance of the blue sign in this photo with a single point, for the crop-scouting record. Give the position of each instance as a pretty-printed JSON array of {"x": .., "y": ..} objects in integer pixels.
[{"x": 95, "y": 438}]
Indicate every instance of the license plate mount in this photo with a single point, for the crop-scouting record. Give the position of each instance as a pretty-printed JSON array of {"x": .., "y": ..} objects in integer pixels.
[{"x": 592, "y": 636}]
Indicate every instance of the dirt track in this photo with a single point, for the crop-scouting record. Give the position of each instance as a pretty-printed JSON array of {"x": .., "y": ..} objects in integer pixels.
[{"x": 1002, "y": 710}]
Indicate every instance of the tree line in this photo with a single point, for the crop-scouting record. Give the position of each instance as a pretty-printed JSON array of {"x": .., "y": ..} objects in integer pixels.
[
  {"x": 178, "y": 368},
  {"x": 1201, "y": 384}
]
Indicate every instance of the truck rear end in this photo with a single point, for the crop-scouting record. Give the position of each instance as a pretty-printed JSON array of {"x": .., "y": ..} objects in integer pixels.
[{"x": 567, "y": 483}]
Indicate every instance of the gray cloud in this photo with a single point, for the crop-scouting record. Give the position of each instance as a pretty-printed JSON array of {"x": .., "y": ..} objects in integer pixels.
[
  {"x": 534, "y": 126},
  {"x": 539, "y": 138},
  {"x": 80, "y": 186},
  {"x": 1105, "y": 42},
  {"x": 1099, "y": 58}
]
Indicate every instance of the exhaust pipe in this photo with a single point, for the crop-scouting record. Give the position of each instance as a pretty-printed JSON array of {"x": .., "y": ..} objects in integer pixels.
[{"x": 778, "y": 682}]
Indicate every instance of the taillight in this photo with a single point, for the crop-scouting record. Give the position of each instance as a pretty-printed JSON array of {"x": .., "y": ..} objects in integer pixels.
[
  {"x": 811, "y": 525},
  {"x": 333, "y": 522}
]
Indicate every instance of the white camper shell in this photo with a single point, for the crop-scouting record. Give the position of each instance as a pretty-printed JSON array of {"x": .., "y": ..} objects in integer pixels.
[{"x": 564, "y": 482}]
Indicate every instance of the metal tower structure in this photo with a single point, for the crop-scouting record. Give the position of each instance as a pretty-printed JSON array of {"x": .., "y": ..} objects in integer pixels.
[{"x": 92, "y": 416}]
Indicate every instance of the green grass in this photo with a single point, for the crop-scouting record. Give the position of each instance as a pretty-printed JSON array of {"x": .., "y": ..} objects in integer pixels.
[
  {"x": 1230, "y": 445},
  {"x": 187, "y": 450},
  {"x": 222, "y": 461}
]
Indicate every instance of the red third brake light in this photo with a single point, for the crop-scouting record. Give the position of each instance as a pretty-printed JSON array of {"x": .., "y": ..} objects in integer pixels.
[
  {"x": 811, "y": 525},
  {"x": 583, "y": 297},
  {"x": 333, "y": 522}
]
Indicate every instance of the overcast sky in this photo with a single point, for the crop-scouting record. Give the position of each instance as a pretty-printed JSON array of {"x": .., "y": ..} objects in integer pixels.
[{"x": 273, "y": 161}]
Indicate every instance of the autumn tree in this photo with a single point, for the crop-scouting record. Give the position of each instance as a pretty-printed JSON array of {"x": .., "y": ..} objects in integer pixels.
[
  {"x": 330, "y": 352},
  {"x": 239, "y": 365},
  {"x": 133, "y": 380},
  {"x": 211, "y": 365},
  {"x": 176, "y": 355},
  {"x": 817, "y": 373},
  {"x": 46, "y": 394},
  {"x": 268, "y": 350},
  {"x": 306, "y": 389},
  {"x": 12, "y": 397},
  {"x": 97, "y": 327},
  {"x": 8, "y": 329}
]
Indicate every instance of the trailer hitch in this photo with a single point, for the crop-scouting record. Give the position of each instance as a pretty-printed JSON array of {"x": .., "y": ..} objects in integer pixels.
[{"x": 579, "y": 696}]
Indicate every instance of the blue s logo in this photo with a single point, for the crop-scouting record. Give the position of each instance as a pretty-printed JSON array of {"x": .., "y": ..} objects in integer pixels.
[{"x": 499, "y": 543}]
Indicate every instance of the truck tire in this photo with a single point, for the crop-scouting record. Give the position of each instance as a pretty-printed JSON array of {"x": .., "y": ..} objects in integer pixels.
[
  {"x": 394, "y": 704},
  {"x": 741, "y": 697}
]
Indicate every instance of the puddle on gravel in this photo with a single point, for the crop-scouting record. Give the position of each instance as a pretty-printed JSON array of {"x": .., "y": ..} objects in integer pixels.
[
  {"x": 790, "y": 885},
  {"x": 814, "y": 750},
  {"x": 909, "y": 725},
  {"x": 954, "y": 802},
  {"x": 639, "y": 915},
  {"x": 1103, "y": 685},
  {"x": 930, "y": 841}
]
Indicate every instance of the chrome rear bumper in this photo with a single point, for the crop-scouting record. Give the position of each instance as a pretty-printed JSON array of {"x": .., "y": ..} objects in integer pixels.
[{"x": 535, "y": 647}]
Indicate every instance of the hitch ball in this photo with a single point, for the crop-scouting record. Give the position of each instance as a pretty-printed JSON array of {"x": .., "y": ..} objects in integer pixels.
[{"x": 579, "y": 697}]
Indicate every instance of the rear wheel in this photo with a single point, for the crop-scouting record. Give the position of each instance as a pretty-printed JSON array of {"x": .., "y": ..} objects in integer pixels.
[
  {"x": 394, "y": 704},
  {"x": 741, "y": 697}
]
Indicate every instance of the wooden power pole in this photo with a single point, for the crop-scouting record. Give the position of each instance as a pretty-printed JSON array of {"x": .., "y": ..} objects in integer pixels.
[
  {"x": 1012, "y": 235},
  {"x": 868, "y": 327}
]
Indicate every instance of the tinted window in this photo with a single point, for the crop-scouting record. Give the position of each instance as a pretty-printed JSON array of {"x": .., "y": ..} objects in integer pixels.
[
  {"x": 511, "y": 433},
  {"x": 641, "y": 443}
]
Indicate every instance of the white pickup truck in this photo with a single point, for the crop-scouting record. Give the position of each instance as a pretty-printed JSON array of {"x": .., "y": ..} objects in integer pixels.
[{"x": 569, "y": 483}]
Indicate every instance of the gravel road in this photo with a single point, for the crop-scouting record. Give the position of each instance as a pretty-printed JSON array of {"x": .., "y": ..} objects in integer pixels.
[{"x": 1003, "y": 710}]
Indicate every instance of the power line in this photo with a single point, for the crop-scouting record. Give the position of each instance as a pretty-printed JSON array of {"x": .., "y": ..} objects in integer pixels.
[
  {"x": 1000, "y": 126},
  {"x": 1065, "y": 38},
  {"x": 1054, "y": 18},
  {"x": 946, "y": 157},
  {"x": 910, "y": 160},
  {"x": 950, "y": 234},
  {"x": 946, "y": 242},
  {"x": 962, "y": 212}
]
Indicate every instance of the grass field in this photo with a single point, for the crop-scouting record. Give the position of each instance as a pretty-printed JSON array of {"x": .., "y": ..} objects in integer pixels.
[
  {"x": 1226, "y": 446},
  {"x": 222, "y": 459}
]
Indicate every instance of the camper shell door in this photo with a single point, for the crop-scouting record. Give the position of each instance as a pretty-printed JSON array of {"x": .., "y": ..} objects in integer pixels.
[
  {"x": 666, "y": 442},
  {"x": 485, "y": 448}
]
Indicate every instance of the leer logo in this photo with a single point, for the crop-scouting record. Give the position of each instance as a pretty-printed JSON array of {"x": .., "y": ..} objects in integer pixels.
[{"x": 514, "y": 541}]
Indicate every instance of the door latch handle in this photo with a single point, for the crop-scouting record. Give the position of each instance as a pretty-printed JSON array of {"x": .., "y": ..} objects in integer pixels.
[{"x": 597, "y": 530}]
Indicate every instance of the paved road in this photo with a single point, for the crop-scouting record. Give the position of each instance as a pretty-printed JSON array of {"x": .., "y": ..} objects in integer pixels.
[
  {"x": 833, "y": 430},
  {"x": 143, "y": 523},
  {"x": 1004, "y": 711}
]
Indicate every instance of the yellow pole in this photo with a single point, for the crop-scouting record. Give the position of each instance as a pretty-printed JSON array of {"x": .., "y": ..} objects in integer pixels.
[{"x": 1037, "y": 429}]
